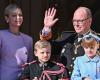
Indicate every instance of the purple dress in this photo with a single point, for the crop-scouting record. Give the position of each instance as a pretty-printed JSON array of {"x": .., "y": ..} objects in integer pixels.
[{"x": 14, "y": 51}]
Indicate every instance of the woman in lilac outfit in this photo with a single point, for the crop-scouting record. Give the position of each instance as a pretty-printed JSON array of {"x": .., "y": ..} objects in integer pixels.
[{"x": 15, "y": 47}]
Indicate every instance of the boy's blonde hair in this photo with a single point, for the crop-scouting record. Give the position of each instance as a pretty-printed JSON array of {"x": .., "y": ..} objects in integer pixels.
[{"x": 41, "y": 44}]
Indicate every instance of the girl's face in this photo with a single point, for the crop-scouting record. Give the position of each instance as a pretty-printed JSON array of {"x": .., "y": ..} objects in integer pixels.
[
  {"x": 91, "y": 51},
  {"x": 15, "y": 18}
]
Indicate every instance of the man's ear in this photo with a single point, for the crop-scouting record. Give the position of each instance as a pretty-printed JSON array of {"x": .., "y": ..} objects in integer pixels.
[
  {"x": 6, "y": 18},
  {"x": 98, "y": 44}
]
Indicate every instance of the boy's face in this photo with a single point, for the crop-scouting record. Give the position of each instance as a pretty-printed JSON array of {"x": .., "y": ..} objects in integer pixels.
[
  {"x": 43, "y": 54},
  {"x": 91, "y": 51},
  {"x": 15, "y": 18}
]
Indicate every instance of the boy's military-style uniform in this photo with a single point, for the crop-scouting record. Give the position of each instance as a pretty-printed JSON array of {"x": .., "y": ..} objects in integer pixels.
[
  {"x": 73, "y": 49},
  {"x": 48, "y": 71}
]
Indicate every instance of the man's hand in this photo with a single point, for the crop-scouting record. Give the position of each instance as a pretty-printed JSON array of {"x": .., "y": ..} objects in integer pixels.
[{"x": 49, "y": 20}]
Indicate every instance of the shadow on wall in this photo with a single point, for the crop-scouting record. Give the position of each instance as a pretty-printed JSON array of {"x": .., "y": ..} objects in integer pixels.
[{"x": 96, "y": 21}]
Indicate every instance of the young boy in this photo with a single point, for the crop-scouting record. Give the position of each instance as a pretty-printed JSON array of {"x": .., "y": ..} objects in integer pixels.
[
  {"x": 43, "y": 68},
  {"x": 87, "y": 67}
]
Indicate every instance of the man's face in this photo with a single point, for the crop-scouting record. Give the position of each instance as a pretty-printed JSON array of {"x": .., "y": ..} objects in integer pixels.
[
  {"x": 43, "y": 54},
  {"x": 81, "y": 22}
]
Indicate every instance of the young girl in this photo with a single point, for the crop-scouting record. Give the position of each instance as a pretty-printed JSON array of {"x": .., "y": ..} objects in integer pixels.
[{"x": 87, "y": 67}]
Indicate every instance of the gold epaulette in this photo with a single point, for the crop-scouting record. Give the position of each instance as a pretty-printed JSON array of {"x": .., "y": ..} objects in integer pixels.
[{"x": 26, "y": 64}]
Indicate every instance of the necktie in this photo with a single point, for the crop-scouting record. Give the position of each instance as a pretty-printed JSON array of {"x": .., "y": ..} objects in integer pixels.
[{"x": 80, "y": 37}]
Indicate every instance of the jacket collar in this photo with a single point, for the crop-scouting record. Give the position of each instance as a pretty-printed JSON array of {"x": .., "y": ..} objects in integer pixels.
[{"x": 95, "y": 59}]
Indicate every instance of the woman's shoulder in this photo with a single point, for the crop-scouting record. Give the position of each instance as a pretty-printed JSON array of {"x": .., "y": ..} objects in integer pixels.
[
  {"x": 26, "y": 36},
  {"x": 3, "y": 32}
]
